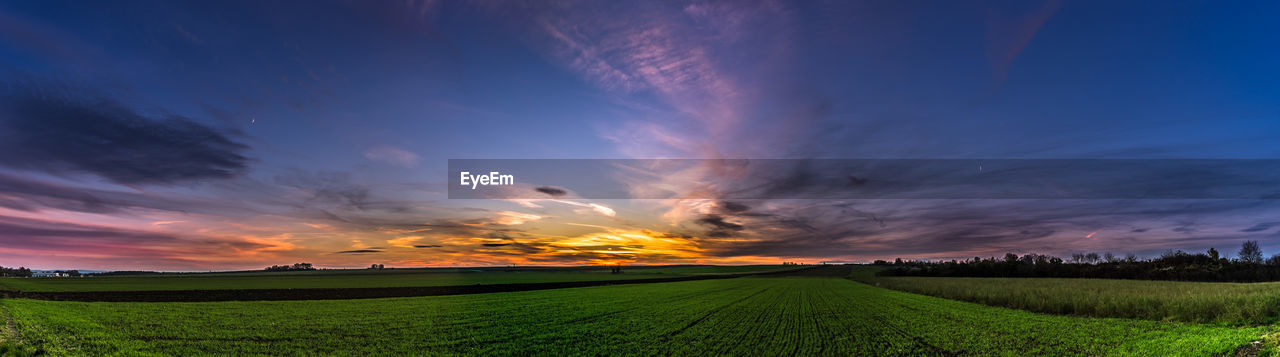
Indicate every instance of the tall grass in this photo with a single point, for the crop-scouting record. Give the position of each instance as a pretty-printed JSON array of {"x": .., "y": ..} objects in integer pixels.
[{"x": 1221, "y": 303}]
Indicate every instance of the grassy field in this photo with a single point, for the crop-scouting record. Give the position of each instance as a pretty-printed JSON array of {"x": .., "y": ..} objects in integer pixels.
[
  {"x": 709, "y": 269},
  {"x": 359, "y": 278},
  {"x": 743, "y": 316},
  {"x": 1220, "y": 303}
]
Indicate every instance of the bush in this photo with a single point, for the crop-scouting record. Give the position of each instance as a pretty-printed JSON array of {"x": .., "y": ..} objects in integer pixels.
[
  {"x": 294, "y": 267},
  {"x": 1172, "y": 265}
]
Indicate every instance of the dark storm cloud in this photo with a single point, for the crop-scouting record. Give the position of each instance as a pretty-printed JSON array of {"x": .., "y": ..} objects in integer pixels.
[
  {"x": 61, "y": 131},
  {"x": 734, "y": 207},
  {"x": 552, "y": 191},
  {"x": 718, "y": 222},
  {"x": 719, "y": 228}
]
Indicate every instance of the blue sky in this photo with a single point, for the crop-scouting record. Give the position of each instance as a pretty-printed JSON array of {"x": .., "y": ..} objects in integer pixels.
[{"x": 230, "y": 134}]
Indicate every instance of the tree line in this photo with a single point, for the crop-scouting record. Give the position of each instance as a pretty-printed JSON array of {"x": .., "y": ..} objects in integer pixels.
[
  {"x": 1247, "y": 266},
  {"x": 19, "y": 272},
  {"x": 294, "y": 267}
]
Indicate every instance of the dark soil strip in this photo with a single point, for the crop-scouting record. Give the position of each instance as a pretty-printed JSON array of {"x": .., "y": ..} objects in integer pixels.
[{"x": 349, "y": 293}]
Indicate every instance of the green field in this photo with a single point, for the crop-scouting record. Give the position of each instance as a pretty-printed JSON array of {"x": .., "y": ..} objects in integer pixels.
[
  {"x": 742, "y": 316},
  {"x": 1220, "y": 303},
  {"x": 361, "y": 278}
]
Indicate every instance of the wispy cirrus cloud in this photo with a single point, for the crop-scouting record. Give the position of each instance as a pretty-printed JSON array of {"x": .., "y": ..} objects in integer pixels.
[
  {"x": 1009, "y": 33},
  {"x": 393, "y": 156},
  {"x": 687, "y": 55}
]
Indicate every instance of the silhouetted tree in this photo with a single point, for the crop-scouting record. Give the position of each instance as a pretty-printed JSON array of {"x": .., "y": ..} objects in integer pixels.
[
  {"x": 19, "y": 272},
  {"x": 1274, "y": 260},
  {"x": 1213, "y": 254},
  {"x": 1250, "y": 253},
  {"x": 296, "y": 266},
  {"x": 1091, "y": 257},
  {"x": 1170, "y": 265},
  {"x": 1077, "y": 257}
]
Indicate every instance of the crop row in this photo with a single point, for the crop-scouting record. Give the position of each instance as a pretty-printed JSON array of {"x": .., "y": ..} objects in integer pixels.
[
  {"x": 744, "y": 316},
  {"x": 356, "y": 278},
  {"x": 1201, "y": 302}
]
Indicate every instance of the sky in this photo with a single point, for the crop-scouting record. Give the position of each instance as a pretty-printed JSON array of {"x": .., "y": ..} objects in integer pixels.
[{"x": 198, "y": 135}]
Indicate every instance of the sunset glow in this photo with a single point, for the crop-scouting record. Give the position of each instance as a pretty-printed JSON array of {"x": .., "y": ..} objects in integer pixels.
[{"x": 168, "y": 139}]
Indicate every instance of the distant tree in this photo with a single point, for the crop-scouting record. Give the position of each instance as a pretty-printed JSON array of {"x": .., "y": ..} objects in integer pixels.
[
  {"x": 1010, "y": 258},
  {"x": 1110, "y": 258},
  {"x": 297, "y": 266},
  {"x": 1028, "y": 259},
  {"x": 1077, "y": 257},
  {"x": 19, "y": 272},
  {"x": 1091, "y": 257},
  {"x": 1213, "y": 254},
  {"x": 1042, "y": 259},
  {"x": 1274, "y": 260},
  {"x": 1250, "y": 252},
  {"x": 1171, "y": 265}
]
